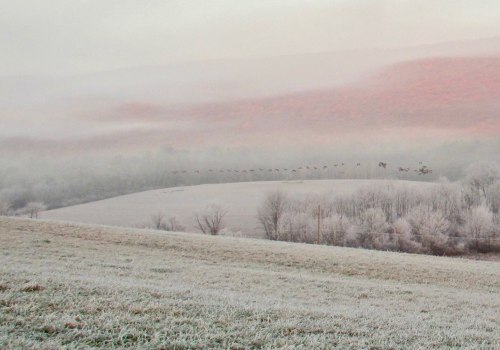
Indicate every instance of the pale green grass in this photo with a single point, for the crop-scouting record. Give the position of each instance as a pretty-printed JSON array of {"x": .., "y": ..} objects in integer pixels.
[{"x": 81, "y": 287}]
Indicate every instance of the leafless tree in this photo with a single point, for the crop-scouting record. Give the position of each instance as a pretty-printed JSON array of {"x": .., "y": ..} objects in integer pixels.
[
  {"x": 174, "y": 225},
  {"x": 158, "y": 220},
  {"x": 481, "y": 176},
  {"x": 479, "y": 227},
  {"x": 33, "y": 209},
  {"x": 271, "y": 212},
  {"x": 5, "y": 209},
  {"x": 211, "y": 220}
]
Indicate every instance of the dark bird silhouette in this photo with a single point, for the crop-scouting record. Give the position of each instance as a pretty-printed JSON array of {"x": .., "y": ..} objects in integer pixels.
[
  {"x": 382, "y": 165},
  {"x": 358, "y": 164},
  {"x": 424, "y": 170}
]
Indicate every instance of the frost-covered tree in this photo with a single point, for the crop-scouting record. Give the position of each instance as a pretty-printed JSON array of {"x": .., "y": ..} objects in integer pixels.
[
  {"x": 158, "y": 221},
  {"x": 271, "y": 213},
  {"x": 33, "y": 209},
  {"x": 402, "y": 237},
  {"x": 493, "y": 197},
  {"x": 5, "y": 209},
  {"x": 431, "y": 228},
  {"x": 373, "y": 228},
  {"x": 479, "y": 228},
  {"x": 334, "y": 229},
  {"x": 211, "y": 220},
  {"x": 481, "y": 176},
  {"x": 173, "y": 224},
  {"x": 297, "y": 227}
]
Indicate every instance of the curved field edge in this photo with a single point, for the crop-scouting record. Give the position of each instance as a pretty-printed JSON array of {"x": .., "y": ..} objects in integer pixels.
[
  {"x": 241, "y": 200},
  {"x": 68, "y": 285}
]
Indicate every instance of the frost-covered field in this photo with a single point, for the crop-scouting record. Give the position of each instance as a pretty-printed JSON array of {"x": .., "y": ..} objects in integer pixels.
[
  {"x": 240, "y": 199},
  {"x": 80, "y": 286}
]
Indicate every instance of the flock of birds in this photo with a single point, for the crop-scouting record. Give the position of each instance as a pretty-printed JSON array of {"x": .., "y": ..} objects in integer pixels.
[{"x": 422, "y": 170}]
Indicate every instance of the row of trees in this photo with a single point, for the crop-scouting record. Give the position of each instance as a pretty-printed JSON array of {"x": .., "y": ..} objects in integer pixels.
[
  {"x": 445, "y": 218},
  {"x": 68, "y": 180},
  {"x": 209, "y": 221},
  {"x": 73, "y": 180},
  {"x": 31, "y": 209}
]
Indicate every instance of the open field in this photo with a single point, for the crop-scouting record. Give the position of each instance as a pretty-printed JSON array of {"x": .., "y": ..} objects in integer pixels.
[
  {"x": 240, "y": 199},
  {"x": 80, "y": 286}
]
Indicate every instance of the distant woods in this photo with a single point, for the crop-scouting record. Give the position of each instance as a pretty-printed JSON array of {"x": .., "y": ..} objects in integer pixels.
[
  {"x": 64, "y": 183},
  {"x": 443, "y": 219}
]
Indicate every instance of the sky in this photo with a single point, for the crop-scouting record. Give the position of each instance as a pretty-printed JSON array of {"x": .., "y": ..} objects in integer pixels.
[{"x": 58, "y": 37}]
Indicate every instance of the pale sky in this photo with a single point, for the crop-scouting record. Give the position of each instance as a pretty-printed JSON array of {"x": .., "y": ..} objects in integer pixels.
[{"x": 76, "y": 36}]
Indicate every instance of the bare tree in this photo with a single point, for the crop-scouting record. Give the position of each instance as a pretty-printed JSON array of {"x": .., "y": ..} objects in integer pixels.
[
  {"x": 479, "y": 227},
  {"x": 33, "y": 209},
  {"x": 5, "y": 209},
  {"x": 158, "y": 221},
  {"x": 174, "y": 225},
  {"x": 271, "y": 213},
  {"x": 482, "y": 175},
  {"x": 211, "y": 220}
]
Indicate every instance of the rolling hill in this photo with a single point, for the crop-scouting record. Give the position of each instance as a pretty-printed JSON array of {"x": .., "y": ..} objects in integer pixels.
[
  {"x": 428, "y": 93},
  {"x": 429, "y": 100},
  {"x": 241, "y": 200},
  {"x": 82, "y": 286}
]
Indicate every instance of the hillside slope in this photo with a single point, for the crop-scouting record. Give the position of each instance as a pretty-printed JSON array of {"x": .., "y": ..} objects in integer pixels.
[
  {"x": 241, "y": 200},
  {"x": 426, "y": 99},
  {"x": 89, "y": 286}
]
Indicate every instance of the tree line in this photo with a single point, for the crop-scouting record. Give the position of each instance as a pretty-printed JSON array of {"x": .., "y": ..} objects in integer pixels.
[{"x": 443, "y": 219}]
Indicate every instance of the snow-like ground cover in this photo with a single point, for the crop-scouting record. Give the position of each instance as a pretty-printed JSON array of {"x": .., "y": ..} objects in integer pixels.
[
  {"x": 241, "y": 200},
  {"x": 81, "y": 286}
]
